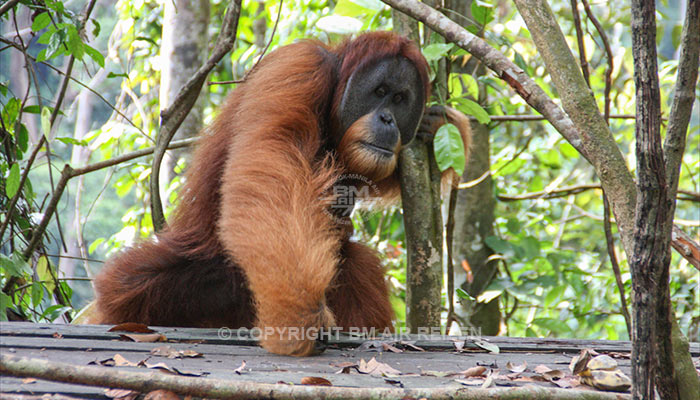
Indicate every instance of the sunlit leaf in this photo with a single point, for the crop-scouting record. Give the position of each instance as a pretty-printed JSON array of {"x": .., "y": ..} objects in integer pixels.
[
  {"x": 449, "y": 149},
  {"x": 12, "y": 183}
]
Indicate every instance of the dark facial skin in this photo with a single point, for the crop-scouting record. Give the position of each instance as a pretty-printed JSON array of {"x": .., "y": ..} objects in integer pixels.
[{"x": 391, "y": 91}]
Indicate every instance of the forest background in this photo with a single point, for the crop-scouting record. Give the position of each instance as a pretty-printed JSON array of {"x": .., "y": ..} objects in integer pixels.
[{"x": 530, "y": 250}]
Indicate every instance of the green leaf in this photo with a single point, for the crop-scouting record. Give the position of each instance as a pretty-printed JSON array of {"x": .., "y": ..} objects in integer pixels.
[
  {"x": 22, "y": 137},
  {"x": 33, "y": 109},
  {"x": 96, "y": 29},
  {"x": 12, "y": 183},
  {"x": 113, "y": 75},
  {"x": 75, "y": 44},
  {"x": 55, "y": 42},
  {"x": 94, "y": 54},
  {"x": 10, "y": 111},
  {"x": 449, "y": 149},
  {"x": 73, "y": 141},
  {"x": 482, "y": 13},
  {"x": 93, "y": 245},
  {"x": 472, "y": 108},
  {"x": 568, "y": 150},
  {"x": 41, "y": 21},
  {"x": 499, "y": 245},
  {"x": 5, "y": 303},
  {"x": 462, "y": 294},
  {"x": 37, "y": 293},
  {"x": 551, "y": 324},
  {"x": 46, "y": 122},
  {"x": 43, "y": 271},
  {"x": 436, "y": 51}
]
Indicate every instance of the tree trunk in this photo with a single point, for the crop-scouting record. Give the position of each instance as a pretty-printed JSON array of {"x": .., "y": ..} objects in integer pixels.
[
  {"x": 182, "y": 54},
  {"x": 474, "y": 218},
  {"x": 420, "y": 196}
]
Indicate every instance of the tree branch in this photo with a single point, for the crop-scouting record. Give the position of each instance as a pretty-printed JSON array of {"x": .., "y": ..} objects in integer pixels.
[
  {"x": 145, "y": 382},
  {"x": 172, "y": 117},
  {"x": 579, "y": 103},
  {"x": 497, "y": 62},
  {"x": 684, "y": 95}
]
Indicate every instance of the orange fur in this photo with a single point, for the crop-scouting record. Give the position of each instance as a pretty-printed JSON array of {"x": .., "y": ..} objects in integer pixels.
[
  {"x": 358, "y": 160},
  {"x": 251, "y": 243}
]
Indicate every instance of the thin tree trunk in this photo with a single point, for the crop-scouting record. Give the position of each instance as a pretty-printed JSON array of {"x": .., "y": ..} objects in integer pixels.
[
  {"x": 182, "y": 56},
  {"x": 420, "y": 196}
]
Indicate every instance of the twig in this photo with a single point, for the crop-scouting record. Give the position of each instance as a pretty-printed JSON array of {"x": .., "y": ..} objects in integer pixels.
[
  {"x": 684, "y": 95},
  {"x": 69, "y": 172},
  {"x": 449, "y": 237},
  {"x": 579, "y": 39},
  {"x": 500, "y": 64},
  {"x": 608, "y": 54},
  {"x": 145, "y": 382},
  {"x": 686, "y": 246},
  {"x": 5, "y": 7},
  {"x": 172, "y": 117},
  {"x": 615, "y": 265},
  {"x": 91, "y": 90},
  {"x": 262, "y": 54}
]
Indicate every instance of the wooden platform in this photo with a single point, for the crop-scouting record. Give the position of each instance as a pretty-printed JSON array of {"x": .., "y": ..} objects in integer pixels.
[{"x": 220, "y": 357}]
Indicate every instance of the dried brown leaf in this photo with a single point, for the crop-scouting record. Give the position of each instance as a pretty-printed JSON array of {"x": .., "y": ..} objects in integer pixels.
[
  {"x": 161, "y": 395},
  {"x": 144, "y": 338},
  {"x": 473, "y": 371},
  {"x": 541, "y": 369},
  {"x": 121, "y": 394},
  {"x": 374, "y": 367},
  {"x": 516, "y": 368},
  {"x": 131, "y": 327},
  {"x": 120, "y": 361},
  {"x": 316, "y": 381}
]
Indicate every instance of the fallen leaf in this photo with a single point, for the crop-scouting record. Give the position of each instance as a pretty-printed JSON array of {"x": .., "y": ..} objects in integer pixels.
[
  {"x": 411, "y": 345},
  {"x": 161, "y": 395},
  {"x": 131, "y": 327},
  {"x": 316, "y": 381},
  {"x": 471, "y": 382},
  {"x": 473, "y": 371},
  {"x": 239, "y": 370},
  {"x": 439, "y": 374},
  {"x": 579, "y": 362},
  {"x": 516, "y": 368},
  {"x": 492, "y": 348},
  {"x": 57, "y": 335},
  {"x": 488, "y": 382},
  {"x": 120, "y": 361},
  {"x": 541, "y": 369},
  {"x": 27, "y": 381},
  {"x": 614, "y": 381},
  {"x": 165, "y": 351},
  {"x": 389, "y": 347},
  {"x": 190, "y": 354},
  {"x": 172, "y": 370},
  {"x": 169, "y": 352},
  {"x": 374, "y": 367},
  {"x": 145, "y": 338},
  {"x": 345, "y": 367},
  {"x": 121, "y": 394}
]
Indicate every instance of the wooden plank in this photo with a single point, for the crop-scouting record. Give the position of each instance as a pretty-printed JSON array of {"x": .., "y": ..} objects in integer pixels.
[
  {"x": 81, "y": 345},
  {"x": 236, "y": 337}
]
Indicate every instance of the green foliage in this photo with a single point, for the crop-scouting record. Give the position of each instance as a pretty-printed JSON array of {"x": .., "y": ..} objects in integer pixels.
[
  {"x": 554, "y": 278},
  {"x": 449, "y": 149}
]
